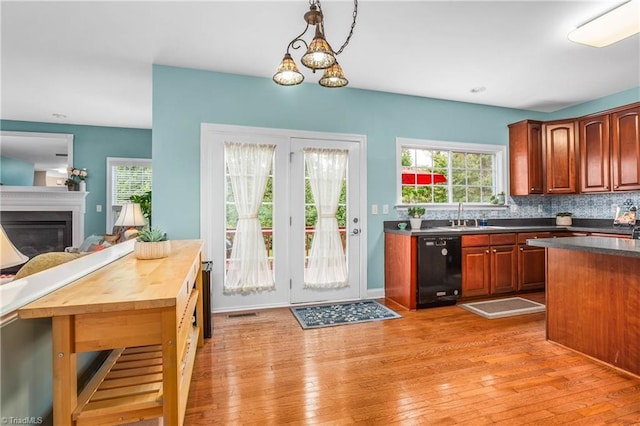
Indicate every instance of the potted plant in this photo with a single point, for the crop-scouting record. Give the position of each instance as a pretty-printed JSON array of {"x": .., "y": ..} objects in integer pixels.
[
  {"x": 497, "y": 199},
  {"x": 563, "y": 218},
  {"x": 152, "y": 243},
  {"x": 415, "y": 216}
]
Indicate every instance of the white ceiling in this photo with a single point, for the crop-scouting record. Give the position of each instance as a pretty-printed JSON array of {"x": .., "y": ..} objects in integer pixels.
[{"x": 92, "y": 61}]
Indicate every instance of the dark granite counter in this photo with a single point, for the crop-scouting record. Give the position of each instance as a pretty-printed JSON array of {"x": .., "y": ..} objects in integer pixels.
[
  {"x": 603, "y": 245},
  {"x": 440, "y": 227}
]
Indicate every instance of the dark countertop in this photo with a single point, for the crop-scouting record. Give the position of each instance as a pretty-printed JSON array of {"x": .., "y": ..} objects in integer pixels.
[
  {"x": 604, "y": 245},
  {"x": 509, "y": 225}
]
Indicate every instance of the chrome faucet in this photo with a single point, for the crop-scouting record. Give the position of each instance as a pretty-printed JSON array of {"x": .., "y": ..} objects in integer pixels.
[{"x": 459, "y": 212}]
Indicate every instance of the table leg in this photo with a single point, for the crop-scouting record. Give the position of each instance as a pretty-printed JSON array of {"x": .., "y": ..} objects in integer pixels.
[{"x": 65, "y": 371}]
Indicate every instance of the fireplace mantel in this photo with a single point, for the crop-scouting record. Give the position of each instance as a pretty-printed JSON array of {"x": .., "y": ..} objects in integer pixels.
[{"x": 35, "y": 198}]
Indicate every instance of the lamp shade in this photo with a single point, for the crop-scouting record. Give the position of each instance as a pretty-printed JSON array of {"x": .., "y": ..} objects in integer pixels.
[
  {"x": 333, "y": 77},
  {"x": 288, "y": 74},
  {"x": 9, "y": 254},
  {"x": 319, "y": 54},
  {"x": 130, "y": 215}
]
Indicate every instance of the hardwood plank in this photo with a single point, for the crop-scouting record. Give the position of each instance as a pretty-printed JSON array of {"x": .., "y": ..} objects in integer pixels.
[{"x": 434, "y": 366}]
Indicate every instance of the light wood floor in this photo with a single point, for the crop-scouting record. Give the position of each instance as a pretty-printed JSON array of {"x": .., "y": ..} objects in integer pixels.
[{"x": 441, "y": 366}]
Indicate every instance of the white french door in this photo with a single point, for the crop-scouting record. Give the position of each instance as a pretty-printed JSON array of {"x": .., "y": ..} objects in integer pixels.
[
  {"x": 288, "y": 216},
  {"x": 306, "y": 286}
]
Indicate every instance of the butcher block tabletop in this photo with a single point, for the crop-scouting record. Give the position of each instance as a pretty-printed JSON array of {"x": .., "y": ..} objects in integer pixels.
[{"x": 125, "y": 284}]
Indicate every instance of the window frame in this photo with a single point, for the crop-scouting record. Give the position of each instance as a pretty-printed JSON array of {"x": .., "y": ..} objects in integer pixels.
[
  {"x": 500, "y": 152},
  {"x": 119, "y": 161}
]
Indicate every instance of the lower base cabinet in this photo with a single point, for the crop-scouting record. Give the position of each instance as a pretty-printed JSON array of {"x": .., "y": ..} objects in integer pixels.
[{"x": 489, "y": 264}]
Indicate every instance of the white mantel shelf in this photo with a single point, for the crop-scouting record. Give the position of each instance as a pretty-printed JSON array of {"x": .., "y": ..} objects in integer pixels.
[{"x": 35, "y": 198}]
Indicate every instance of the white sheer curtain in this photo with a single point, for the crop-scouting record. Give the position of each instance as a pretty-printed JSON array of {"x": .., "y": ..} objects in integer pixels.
[
  {"x": 327, "y": 265},
  {"x": 249, "y": 166}
]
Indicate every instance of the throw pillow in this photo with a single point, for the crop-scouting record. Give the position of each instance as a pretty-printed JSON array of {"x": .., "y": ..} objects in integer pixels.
[{"x": 44, "y": 261}]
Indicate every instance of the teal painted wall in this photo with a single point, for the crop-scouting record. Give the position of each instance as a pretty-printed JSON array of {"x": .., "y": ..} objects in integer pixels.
[
  {"x": 602, "y": 104},
  {"x": 184, "y": 98},
  {"x": 16, "y": 172},
  {"x": 91, "y": 147}
]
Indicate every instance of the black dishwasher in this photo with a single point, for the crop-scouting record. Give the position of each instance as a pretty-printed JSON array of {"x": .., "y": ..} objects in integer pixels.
[{"x": 439, "y": 271}]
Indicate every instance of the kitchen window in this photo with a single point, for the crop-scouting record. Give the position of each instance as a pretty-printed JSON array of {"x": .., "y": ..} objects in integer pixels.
[{"x": 444, "y": 173}]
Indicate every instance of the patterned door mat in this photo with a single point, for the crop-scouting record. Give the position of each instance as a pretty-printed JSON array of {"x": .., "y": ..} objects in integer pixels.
[
  {"x": 342, "y": 313},
  {"x": 501, "y": 308}
]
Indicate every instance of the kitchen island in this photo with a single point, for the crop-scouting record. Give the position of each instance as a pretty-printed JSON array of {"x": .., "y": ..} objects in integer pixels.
[{"x": 593, "y": 297}]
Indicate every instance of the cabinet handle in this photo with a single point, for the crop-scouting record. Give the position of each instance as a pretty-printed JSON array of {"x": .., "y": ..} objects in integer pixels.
[
  {"x": 487, "y": 252},
  {"x": 533, "y": 189},
  {"x": 495, "y": 251},
  {"x": 521, "y": 248},
  {"x": 606, "y": 187},
  {"x": 616, "y": 186}
]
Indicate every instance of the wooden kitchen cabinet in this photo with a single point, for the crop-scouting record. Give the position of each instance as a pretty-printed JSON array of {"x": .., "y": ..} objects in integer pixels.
[
  {"x": 595, "y": 154},
  {"x": 560, "y": 157},
  {"x": 625, "y": 141},
  {"x": 526, "y": 158},
  {"x": 489, "y": 264},
  {"x": 401, "y": 269},
  {"x": 531, "y": 266}
]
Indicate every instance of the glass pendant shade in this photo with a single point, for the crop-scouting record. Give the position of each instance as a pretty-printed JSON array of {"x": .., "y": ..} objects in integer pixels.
[
  {"x": 288, "y": 74},
  {"x": 319, "y": 54},
  {"x": 333, "y": 77}
]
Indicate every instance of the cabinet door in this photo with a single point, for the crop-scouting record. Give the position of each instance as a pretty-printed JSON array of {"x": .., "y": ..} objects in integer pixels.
[
  {"x": 525, "y": 158},
  {"x": 531, "y": 268},
  {"x": 504, "y": 269},
  {"x": 625, "y": 135},
  {"x": 475, "y": 271},
  {"x": 560, "y": 157},
  {"x": 595, "y": 156}
]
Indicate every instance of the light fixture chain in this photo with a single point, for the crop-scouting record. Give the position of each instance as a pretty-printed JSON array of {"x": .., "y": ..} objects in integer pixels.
[{"x": 353, "y": 25}]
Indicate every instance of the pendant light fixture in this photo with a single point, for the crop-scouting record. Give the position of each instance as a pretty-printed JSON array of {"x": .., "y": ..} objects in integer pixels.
[{"x": 319, "y": 54}]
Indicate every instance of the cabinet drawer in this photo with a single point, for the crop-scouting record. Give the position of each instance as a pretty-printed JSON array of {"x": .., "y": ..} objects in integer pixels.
[
  {"x": 524, "y": 236},
  {"x": 475, "y": 240},
  {"x": 502, "y": 239}
]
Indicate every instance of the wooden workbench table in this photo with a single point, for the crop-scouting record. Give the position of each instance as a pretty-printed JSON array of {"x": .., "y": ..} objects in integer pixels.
[{"x": 149, "y": 312}]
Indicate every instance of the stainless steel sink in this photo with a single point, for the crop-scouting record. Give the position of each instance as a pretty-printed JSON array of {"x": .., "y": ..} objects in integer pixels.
[{"x": 466, "y": 228}]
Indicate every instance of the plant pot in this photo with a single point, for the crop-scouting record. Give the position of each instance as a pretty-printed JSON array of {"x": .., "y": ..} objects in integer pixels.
[
  {"x": 416, "y": 223},
  {"x": 152, "y": 250},
  {"x": 563, "y": 220},
  {"x": 82, "y": 186}
]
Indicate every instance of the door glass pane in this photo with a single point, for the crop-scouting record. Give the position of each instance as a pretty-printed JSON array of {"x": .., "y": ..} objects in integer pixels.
[
  {"x": 265, "y": 215},
  {"x": 325, "y": 219}
]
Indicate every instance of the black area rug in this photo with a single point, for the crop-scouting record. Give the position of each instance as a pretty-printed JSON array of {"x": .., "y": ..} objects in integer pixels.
[
  {"x": 342, "y": 313},
  {"x": 501, "y": 308}
]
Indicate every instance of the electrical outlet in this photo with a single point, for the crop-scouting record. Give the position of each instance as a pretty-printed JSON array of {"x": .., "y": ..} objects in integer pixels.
[
  {"x": 98, "y": 208},
  {"x": 540, "y": 208},
  {"x": 514, "y": 208},
  {"x": 385, "y": 209},
  {"x": 614, "y": 208},
  {"x": 374, "y": 209}
]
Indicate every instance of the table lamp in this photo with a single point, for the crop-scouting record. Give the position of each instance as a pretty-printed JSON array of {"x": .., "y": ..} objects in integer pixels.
[
  {"x": 9, "y": 254},
  {"x": 132, "y": 218}
]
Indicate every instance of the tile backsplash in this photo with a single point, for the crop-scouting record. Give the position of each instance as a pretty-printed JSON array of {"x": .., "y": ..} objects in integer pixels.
[{"x": 591, "y": 206}]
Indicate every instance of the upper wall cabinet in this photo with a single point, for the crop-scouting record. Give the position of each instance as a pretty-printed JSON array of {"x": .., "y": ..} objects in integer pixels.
[
  {"x": 625, "y": 138},
  {"x": 560, "y": 156},
  {"x": 525, "y": 158},
  {"x": 595, "y": 154}
]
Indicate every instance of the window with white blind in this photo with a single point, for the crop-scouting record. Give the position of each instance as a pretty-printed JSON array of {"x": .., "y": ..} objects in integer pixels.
[{"x": 125, "y": 177}]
